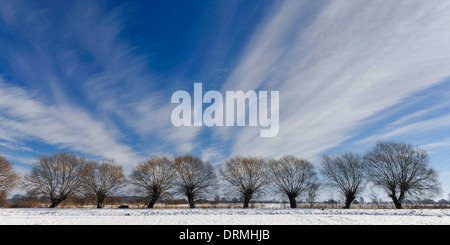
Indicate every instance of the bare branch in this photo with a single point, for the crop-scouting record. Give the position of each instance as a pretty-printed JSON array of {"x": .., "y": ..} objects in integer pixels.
[
  {"x": 55, "y": 176},
  {"x": 193, "y": 177},
  {"x": 248, "y": 175},
  {"x": 401, "y": 169},
  {"x": 293, "y": 176},
  {"x": 346, "y": 172},
  {"x": 153, "y": 178}
]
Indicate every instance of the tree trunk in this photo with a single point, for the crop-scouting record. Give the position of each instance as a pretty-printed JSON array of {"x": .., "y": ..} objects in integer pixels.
[
  {"x": 191, "y": 201},
  {"x": 397, "y": 203},
  {"x": 246, "y": 201},
  {"x": 99, "y": 203},
  {"x": 55, "y": 202},
  {"x": 100, "y": 200},
  {"x": 247, "y": 197},
  {"x": 292, "y": 200},
  {"x": 153, "y": 200},
  {"x": 348, "y": 200}
]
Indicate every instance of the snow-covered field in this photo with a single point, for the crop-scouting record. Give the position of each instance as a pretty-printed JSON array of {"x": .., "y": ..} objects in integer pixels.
[{"x": 42, "y": 216}]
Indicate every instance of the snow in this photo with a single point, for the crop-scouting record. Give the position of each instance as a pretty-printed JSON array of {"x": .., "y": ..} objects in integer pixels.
[{"x": 223, "y": 216}]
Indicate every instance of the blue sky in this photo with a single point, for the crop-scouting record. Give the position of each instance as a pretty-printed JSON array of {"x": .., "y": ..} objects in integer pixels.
[{"x": 96, "y": 77}]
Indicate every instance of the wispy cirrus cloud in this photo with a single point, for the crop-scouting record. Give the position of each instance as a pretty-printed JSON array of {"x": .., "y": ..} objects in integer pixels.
[
  {"x": 48, "y": 106},
  {"x": 354, "y": 60},
  {"x": 27, "y": 118},
  {"x": 84, "y": 86},
  {"x": 123, "y": 85}
]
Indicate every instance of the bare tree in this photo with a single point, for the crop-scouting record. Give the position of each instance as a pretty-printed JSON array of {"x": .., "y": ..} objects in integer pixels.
[
  {"x": 55, "y": 176},
  {"x": 247, "y": 175},
  {"x": 401, "y": 169},
  {"x": 101, "y": 179},
  {"x": 346, "y": 172},
  {"x": 193, "y": 177},
  {"x": 8, "y": 178},
  {"x": 292, "y": 176},
  {"x": 153, "y": 178}
]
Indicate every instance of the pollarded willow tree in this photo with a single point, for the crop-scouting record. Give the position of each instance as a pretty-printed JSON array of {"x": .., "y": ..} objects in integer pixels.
[
  {"x": 193, "y": 177},
  {"x": 347, "y": 173},
  {"x": 247, "y": 175},
  {"x": 102, "y": 179},
  {"x": 293, "y": 177},
  {"x": 153, "y": 178},
  {"x": 401, "y": 169},
  {"x": 55, "y": 176},
  {"x": 8, "y": 178}
]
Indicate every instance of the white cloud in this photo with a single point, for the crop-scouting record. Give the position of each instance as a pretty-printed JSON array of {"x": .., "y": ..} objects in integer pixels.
[
  {"x": 417, "y": 128},
  {"x": 211, "y": 153},
  {"x": 123, "y": 86},
  {"x": 334, "y": 68},
  {"x": 116, "y": 94},
  {"x": 27, "y": 118},
  {"x": 11, "y": 146},
  {"x": 438, "y": 145},
  {"x": 356, "y": 59}
]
